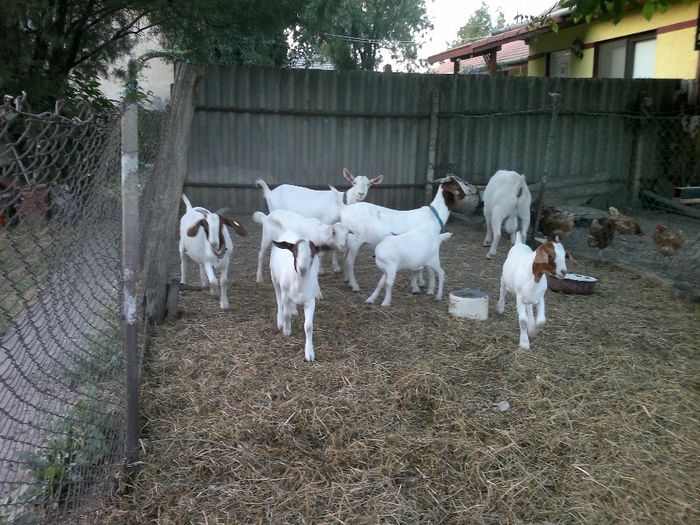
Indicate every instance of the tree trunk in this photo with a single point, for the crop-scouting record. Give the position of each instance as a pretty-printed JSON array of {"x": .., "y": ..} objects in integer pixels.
[{"x": 162, "y": 207}]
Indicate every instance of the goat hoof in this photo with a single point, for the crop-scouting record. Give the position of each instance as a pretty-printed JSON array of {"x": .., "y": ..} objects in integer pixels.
[
  {"x": 487, "y": 243},
  {"x": 490, "y": 255}
]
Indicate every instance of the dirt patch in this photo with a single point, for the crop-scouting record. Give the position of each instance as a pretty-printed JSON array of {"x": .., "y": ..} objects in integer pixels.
[{"x": 396, "y": 422}]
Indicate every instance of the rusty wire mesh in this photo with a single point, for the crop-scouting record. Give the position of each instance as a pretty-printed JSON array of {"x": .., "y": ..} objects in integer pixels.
[{"x": 61, "y": 365}]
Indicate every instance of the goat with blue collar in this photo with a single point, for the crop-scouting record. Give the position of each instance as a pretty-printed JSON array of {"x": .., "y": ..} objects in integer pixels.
[{"x": 370, "y": 224}]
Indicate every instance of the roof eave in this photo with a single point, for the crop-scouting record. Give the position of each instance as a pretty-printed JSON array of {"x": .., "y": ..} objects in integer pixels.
[{"x": 481, "y": 47}]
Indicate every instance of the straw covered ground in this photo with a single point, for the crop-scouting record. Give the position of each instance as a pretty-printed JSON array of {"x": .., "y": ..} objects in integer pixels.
[{"x": 397, "y": 420}]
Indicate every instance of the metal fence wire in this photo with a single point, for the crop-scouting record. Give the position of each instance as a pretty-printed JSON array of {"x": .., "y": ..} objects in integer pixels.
[{"x": 61, "y": 358}]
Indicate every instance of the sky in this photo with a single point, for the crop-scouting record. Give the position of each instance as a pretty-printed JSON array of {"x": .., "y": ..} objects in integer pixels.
[{"x": 448, "y": 16}]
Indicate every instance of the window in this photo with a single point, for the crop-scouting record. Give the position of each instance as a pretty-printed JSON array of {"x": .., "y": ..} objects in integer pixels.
[
  {"x": 633, "y": 57},
  {"x": 560, "y": 63}
]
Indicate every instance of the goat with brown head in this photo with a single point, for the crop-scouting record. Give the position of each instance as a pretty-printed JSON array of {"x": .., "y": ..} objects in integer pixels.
[
  {"x": 522, "y": 276},
  {"x": 294, "y": 270},
  {"x": 206, "y": 240}
]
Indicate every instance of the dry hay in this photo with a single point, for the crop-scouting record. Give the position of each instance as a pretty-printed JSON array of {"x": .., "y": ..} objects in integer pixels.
[{"x": 396, "y": 423}]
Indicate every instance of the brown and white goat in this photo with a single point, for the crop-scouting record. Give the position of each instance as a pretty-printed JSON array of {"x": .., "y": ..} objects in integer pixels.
[
  {"x": 204, "y": 238},
  {"x": 294, "y": 271},
  {"x": 524, "y": 275}
]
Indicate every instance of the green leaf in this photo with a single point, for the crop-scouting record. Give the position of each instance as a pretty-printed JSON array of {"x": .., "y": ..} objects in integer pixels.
[
  {"x": 648, "y": 9},
  {"x": 554, "y": 26}
]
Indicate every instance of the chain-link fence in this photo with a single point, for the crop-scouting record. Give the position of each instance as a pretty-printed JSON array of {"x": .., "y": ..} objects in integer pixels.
[{"x": 61, "y": 360}]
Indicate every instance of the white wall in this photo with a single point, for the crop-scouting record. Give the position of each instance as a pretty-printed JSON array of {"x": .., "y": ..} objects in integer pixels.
[{"x": 157, "y": 76}]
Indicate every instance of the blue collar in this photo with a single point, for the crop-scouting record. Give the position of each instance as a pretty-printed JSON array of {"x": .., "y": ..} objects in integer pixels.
[{"x": 437, "y": 216}]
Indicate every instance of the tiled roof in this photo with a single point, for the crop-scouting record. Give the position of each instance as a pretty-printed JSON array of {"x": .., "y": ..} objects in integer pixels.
[{"x": 512, "y": 52}]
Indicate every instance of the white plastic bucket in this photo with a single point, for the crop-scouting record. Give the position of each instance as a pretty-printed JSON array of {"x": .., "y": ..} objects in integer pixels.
[{"x": 472, "y": 304}]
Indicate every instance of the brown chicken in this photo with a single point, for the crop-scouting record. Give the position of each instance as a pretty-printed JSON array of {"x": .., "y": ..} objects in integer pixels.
[
  {"x": 601, "y": 235},
  {"x": 623, "y": 224},
  {"x": 554, "y": 223},
  {"x": 667, "y": 243}
]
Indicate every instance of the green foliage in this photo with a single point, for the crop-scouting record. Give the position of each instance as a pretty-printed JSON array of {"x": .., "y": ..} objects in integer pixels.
[
  {"x": 614, "y": 10},
  {"x": 479, "y": 25},
  {"x": 44, "y": 43},
  {"x": 230, "y": 31},
  {"x": 55, "y": 48},
  {"x": 79, "y": 444},
  {"x": 79, "y": 441},
  {"x": 351, "y": 33}
]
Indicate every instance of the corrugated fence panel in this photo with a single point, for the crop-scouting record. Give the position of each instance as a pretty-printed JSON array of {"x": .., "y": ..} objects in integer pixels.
[{"x": 305, "y": 126}]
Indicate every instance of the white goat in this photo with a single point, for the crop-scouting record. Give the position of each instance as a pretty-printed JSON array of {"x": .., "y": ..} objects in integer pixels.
[
  {"x": 279, "y": 221},
  {"x": 206, "y": 241},
  {"x": 412, "y": 250},
  {"x": 319, "y": 204},
  {"x": 506, "y": 198},
  {"x": 294, "y": 272},
  {"x": 370, "y": 224},
  {"x": 522, "y": 275}
]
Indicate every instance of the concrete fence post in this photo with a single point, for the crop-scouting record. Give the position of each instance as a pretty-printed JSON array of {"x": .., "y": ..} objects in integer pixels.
[{"x": 130, "y": 259}]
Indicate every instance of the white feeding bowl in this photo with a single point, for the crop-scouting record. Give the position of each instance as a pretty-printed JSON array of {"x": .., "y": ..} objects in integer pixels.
[{"x": 472, "y": 304}]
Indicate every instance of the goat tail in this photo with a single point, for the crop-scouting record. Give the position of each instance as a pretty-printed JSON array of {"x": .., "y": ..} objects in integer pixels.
[
  {"x": 187, "y": 202},
  {"x": 259, "y": 216},
  {"x": 264, "y": 186},
  {"x": 444, "y": 236},
  {"x": 518, "y": 237}
]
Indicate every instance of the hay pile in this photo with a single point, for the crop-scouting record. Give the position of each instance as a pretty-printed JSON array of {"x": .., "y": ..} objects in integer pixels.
[{"x": 396, "y": 420}]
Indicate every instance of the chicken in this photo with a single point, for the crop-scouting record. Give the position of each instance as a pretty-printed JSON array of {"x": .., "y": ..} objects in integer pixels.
[
  {"x": 601, "y": 235},
  {"x": 667, "y": 243},
  {"x": 623, "y": 224},
  {"x": 554, "y": 223}
]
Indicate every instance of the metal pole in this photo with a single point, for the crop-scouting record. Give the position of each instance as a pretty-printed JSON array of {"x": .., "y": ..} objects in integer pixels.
[
  {"x": 432, "y": 146},
  {"x": 130, "y": 258},
  {"x": 547, "y": 164}
]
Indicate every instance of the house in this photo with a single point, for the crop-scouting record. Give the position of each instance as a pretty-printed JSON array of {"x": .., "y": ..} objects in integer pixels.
[{"x": 663, "y": 47}]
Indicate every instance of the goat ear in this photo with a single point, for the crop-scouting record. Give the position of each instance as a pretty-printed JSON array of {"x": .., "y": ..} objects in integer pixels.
[
  {"x": 348, "y": 175},
  {"x": 376, "y": 180},
  {"x": 237, "y": 226},
  {"x": 284, "y": 245},
  {"x": 315, "y": 249},
  {"x": 543, "y": 253},
  {"x": 556, "y": 239},
  {"x": 443, "y": 180},
  {"x": 192, "y": 230}
]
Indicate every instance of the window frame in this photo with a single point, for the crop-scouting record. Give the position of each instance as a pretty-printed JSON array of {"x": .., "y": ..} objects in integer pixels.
[
  {"x": 548, "y": 65},
  {"x": 630, "y": 41}
]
